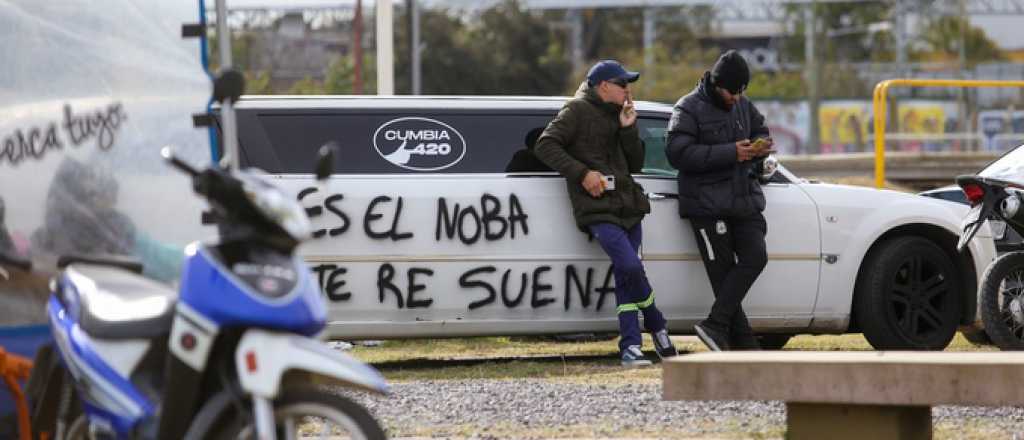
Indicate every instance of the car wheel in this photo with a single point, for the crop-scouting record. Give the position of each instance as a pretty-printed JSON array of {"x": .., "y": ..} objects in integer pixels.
[
  {"x": 1002, "y": 301},
  {"x": 773, "y": 341},
  {"x": 908, "y": 296}
]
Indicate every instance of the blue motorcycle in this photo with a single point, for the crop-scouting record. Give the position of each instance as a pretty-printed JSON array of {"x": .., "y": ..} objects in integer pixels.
[{"x": 232, "y": 355}]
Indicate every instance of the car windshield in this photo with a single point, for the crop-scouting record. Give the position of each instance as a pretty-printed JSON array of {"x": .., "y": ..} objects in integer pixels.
[{"x": 1009, "y": 167}]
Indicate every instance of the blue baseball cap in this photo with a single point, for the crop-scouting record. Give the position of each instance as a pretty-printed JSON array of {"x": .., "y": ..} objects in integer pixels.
[{"x": 607, "y": 70}]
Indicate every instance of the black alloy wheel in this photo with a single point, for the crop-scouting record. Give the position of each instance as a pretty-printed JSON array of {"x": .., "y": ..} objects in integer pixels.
[{"x": 908, "y": 296}]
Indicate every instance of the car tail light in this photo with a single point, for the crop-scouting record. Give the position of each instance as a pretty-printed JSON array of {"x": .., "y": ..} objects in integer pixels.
[{"x": 974, "y": 193}]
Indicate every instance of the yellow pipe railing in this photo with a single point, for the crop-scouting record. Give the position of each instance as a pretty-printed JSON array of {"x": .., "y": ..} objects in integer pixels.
[{"x": 879, "y": 106}]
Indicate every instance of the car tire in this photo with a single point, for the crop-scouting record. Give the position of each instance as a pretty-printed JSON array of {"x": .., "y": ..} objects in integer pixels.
[
  {"x": 908, "y": 296},
  {"x": 773, "y": 341},
  {"x": 1002, "y": 301}
]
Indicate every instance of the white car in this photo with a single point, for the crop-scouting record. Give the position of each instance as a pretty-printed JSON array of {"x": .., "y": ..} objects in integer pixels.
[{"x": 421, "y": 232}]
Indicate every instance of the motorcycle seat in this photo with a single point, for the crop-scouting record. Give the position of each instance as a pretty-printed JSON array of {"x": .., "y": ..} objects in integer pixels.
[{"x": 118, "y": 304}]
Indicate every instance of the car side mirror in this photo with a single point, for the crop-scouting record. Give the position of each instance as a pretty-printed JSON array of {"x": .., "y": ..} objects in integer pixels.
[
  {"x": 769, "y": 167},
  {"x": 325, "y": 161}
]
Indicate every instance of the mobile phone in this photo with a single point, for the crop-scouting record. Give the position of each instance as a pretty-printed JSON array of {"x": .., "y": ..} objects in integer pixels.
[
  {"x": 759, "y": 142},
  {"x": 609, "y": 182}
]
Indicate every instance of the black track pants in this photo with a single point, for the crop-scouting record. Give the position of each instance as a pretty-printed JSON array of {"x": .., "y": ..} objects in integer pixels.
[{"x": 734, "y": 254}]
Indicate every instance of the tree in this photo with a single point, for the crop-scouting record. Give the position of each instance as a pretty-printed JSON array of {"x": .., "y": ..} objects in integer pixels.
[
  {"x": 504, "y": 49},
  {"x": 843, "y": 32},
  {"x": 306, "y": 86},
  {"x": 339, "y": 79},
  {"x": 941, "y": 39}
]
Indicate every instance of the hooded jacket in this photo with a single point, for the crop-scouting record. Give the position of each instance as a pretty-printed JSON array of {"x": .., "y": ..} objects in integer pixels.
[
  {"x": 702, "y": 138},
  {"x": 586, "y": 135}
]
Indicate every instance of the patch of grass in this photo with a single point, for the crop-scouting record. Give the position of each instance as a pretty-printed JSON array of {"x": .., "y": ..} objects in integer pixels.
[
  {"x": 604, "y": 368},
  {"x": 856, "y": 341},
  {"x": 478, "y": 347}
]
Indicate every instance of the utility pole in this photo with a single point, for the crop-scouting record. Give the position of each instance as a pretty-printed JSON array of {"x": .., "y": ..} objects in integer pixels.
[
  {"x": 575, "y": 18},
  {"x": 650, "y": 35},
  {"x": 385, "y": 48},
  {"x": 813, "y": 145},
  {"x": 900, "y": 30},
  {"x": 414, "y": 48},
  {"x": 962, "y": 61},
  {"x": 357, "y": 49}
]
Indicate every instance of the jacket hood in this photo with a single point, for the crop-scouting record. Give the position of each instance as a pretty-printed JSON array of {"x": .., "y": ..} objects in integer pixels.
[
  {"x": 706, "y": 91},
  {"x": 588, "y": 93}
]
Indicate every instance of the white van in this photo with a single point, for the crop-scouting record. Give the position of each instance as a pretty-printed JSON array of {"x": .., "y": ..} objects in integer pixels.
[{"x": 422, "y": 232}]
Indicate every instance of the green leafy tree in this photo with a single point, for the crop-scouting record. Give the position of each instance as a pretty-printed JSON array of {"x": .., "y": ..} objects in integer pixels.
[
  {"x": 447, "y": 63},
  {"x": 504, "y": 49},
  {"x": 340, "y": 76},
  {"x": 258, "y": 83},
  {"x": 519, "y": 49},
  {"x": 843, "y": 32},
  {"x": 306, "y": 86},
  {"x": 942, "y": 37}
]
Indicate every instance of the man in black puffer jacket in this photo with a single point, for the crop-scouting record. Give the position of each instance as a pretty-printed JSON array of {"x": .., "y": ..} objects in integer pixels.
[{"x": 715, "y": 141}]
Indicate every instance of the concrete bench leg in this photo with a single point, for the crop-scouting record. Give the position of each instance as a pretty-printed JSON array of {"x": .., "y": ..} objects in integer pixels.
[{"x": 844, "y": 421}]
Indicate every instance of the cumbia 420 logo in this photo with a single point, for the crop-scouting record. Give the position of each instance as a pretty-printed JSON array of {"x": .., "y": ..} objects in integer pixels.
[{"x": 420, "y": 144}]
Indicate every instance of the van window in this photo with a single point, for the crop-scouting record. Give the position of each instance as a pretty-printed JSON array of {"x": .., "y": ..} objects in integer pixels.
[
  {"x": 652, "y": 132},
  {"x": 386, "y": 143}
]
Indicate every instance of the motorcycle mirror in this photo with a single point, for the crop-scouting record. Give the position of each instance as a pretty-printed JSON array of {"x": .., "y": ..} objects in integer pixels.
[
  {"x": 770, "y": 167},
  {"x": 325, "y": 160}
]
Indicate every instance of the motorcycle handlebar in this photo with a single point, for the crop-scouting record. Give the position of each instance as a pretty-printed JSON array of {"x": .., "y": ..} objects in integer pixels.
[{"x": 178, "y": 163}]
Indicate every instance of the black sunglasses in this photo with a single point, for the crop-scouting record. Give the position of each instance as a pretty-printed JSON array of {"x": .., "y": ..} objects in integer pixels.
[
  {"x": 620, "y": 82},
  {"x": 739, "y": 90}
]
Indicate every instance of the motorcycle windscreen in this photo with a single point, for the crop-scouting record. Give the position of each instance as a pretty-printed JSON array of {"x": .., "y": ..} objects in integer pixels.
[
  {"x": 92, "y": 91},
  {"x": 1008, "y": 168}
]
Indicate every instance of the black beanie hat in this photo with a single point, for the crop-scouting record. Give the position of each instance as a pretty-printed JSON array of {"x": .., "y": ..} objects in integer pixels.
[{"x": 731, "y": 72}]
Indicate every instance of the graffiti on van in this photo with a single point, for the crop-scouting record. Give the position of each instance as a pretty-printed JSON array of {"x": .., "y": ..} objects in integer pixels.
[
  {"x": 564, "y": 286},
  {"x": 419, "y": 144},
  {"x": 491, "y": 220}
]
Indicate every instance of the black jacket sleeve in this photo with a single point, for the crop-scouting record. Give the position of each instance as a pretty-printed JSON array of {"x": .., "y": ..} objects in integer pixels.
[
  {"x": 552, "y": 144},
  {"x": 686, "y": 152}
]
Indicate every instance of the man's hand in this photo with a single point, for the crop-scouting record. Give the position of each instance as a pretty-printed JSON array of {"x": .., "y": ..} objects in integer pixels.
[
  {"x": 628, "y": 114},
  {"x": 593, "y": 184},
  {"x": 745, "y": 150}
]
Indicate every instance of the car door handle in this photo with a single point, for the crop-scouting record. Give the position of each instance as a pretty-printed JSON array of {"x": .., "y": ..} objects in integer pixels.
[{"x": 662, "y": 196}]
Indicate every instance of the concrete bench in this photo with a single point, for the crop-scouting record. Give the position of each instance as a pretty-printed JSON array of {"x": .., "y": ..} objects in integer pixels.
[{"x": 850, "y": 395}]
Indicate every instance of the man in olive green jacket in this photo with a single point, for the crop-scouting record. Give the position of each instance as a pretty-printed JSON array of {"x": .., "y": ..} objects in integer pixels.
[{"x": 595, "y": 145}]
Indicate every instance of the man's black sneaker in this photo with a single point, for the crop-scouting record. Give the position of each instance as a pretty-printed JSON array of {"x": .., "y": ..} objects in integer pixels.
[
  {"x": 663, "y": 345},
  {"x": 716, "y": 340},
  {"x": 632, "y": 357}
]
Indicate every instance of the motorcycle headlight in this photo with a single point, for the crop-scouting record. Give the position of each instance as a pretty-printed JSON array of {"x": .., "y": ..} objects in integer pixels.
[{"x": 278, "y": 208}]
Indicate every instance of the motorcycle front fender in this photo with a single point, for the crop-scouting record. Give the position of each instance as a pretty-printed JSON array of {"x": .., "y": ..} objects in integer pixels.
[{"x": 263, "y": 359}]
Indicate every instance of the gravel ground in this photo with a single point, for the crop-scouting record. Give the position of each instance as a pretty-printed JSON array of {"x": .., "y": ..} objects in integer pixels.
[{"x": 538, "y": 408}]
